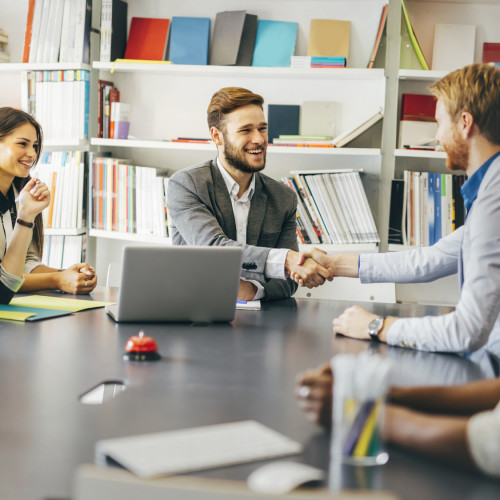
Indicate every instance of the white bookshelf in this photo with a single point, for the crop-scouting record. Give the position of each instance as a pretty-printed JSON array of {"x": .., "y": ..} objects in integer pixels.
[
  {"x": 239, "y": 71},
  {"x": 210, "y": 148},
  {"x": 129, "y": 237},
  {"x": 16, "y": 68},
  {"x": 65, "y": 231},
  {"x": 417, "y": 153},
  {"x": 346, "y": 248}
]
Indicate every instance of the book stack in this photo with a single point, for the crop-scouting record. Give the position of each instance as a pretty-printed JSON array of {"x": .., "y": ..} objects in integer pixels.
[
  {"x": 113, "y": 116},
  {"x": 65, "y": 176},
  {"x": 425, "y": 207},
  {"x": 127, "y": 198},
  {"x": 4, "y": 53},
  {"x": 59, "y": 100},
  {"x": 317, "y": 62},
  {"x": 306, "y": 141},
  {"x": 58, "y": 31},
  {"x": 62, "y": 251},
  {"x": 417, "y": 126},
  {"x": 332, "y": 208}
]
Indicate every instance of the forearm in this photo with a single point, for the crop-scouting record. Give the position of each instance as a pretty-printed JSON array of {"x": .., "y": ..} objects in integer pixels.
[
  {"x": 440, "y": 437},
  {"x": 465, "y": 399},
  {"x": 344, "y": 265},
  {"x": 15, "y": 257},
  {"x": 41, "y": 278}
]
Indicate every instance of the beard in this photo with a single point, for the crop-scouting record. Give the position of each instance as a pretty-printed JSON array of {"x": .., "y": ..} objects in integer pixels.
[
  {"x": 236, "y": 158},
  {"x": 457, "y": 153}
]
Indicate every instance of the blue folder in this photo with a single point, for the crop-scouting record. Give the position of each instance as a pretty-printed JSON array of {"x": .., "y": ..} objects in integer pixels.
[
  {"x": 274, "y": 43},
  {"x": 189, "y": 40},
  {"x": 38, "y": 313}
]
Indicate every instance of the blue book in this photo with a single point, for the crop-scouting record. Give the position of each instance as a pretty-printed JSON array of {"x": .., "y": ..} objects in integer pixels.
[
  {"x": 431, "y": 180},
  {"x": 274, "y": 43},
  {"x": 189, "y": 39},
  {"x": 437, "y": 207}
]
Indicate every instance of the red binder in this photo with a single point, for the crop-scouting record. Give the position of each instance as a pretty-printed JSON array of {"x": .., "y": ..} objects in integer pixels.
[{"x": 147, "y": 39}]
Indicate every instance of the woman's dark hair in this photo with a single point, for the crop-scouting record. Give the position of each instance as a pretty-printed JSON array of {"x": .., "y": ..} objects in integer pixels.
[{"x": 10, "y": 119}]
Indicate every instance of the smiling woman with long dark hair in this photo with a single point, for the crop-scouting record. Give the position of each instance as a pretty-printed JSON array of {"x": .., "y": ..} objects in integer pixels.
[{"x": 20, "y": 146}]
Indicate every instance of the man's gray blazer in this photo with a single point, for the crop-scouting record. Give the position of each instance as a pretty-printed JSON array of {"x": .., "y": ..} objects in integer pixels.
[{"x": 200, "y": 212}]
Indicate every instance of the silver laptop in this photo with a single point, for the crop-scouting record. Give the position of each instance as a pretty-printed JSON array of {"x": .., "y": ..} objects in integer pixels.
[{"x": 178, "y": 283}]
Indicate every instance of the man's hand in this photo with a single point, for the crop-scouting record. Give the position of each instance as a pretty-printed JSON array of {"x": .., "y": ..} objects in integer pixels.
[
  {"x": 314, "y": 393},
  {"x": 247, "y": 290},
  {"x": 354, "y": 321},
  {"x": 77, "y": 279},
  {"x": 307, "y": 272}
]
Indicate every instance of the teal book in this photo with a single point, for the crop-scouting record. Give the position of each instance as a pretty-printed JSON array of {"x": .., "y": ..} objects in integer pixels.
[
  {"x": 189, "y": 40},
  {"x": 274, "y": 43}
]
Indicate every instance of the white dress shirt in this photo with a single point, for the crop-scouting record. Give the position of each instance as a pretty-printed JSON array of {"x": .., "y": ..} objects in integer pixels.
[
  {"x": 275, "y": 263},
  {"x": 483, "y": 435}
]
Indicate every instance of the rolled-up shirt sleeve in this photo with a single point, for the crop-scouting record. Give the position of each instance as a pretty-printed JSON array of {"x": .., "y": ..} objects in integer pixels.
[
  {"x": 9, "y": 285},
  {"x": 483, "y": 436},
  {"x": 32, "y": 259}
]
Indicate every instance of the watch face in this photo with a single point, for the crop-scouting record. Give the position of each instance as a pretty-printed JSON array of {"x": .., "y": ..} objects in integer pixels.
[{"x": 375, "y": 326}]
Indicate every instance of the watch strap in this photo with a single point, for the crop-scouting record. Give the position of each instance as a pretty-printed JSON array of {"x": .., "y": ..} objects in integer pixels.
[{"x": 24, "y": 223}]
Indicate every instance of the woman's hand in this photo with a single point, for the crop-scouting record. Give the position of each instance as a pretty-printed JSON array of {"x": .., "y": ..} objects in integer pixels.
[{"x": 33, "y": 198}]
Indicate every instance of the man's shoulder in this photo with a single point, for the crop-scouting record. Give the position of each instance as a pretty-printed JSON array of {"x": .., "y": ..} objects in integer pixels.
[{"x": 199, "y": 170}]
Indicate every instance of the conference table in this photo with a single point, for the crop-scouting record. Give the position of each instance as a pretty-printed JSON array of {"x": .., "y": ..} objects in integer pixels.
[{"x": 208, "y": 374}]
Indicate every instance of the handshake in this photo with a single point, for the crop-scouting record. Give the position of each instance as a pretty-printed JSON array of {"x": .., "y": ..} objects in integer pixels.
[{"x": 313, "y": 267}]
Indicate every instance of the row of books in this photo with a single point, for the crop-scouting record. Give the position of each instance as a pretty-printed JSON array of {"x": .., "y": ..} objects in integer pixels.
[
  {"x": 425, "y": 207},
  {"x": 238, "y": 38},
  {"x": 61, "y": 252},
  {"x": 65, "y": 176},
  {"x": 59, "y": 100},
  {"x": 58, "y": 31},
  {"x": 127, "y": 198},
  {"x": 113, "y": 116},
  {"x": 332, "y": 208}
]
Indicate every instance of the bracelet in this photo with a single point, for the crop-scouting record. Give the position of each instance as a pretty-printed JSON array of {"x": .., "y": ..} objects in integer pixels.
[{"x": 22, "y": 222}]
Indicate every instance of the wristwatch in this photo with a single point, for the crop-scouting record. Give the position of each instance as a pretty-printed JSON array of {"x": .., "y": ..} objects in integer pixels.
[
  {"x": 375, "y": 327},
  {"x": 25, "y": 223}
]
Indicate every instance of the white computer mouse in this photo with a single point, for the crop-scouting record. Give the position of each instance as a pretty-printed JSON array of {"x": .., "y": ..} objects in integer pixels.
[{"x": 282, "y": 477}]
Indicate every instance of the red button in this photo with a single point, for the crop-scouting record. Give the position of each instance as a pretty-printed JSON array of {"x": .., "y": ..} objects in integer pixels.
[{"x": 141, "y": 343}]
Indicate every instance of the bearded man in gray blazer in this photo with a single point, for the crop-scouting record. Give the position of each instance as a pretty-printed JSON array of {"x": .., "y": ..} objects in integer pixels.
[{"x": 227, "y": 201}]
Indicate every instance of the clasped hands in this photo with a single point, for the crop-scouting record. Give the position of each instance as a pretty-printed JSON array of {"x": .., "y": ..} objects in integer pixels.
[{"x": 310, "y": 269}]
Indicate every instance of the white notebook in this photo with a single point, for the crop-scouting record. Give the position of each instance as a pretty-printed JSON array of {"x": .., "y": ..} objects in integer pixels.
[{"x": 198, "y": 448}]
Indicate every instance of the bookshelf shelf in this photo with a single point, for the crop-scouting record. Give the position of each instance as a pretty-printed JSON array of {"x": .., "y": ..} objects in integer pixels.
[
  {"x": 417, "y": 153},
  {"x": 144, "y": 144},
  {"x": 346, "y": 248},
  {"x": 420, "y": 74},
  {"x": 138, "y": 238},
  {"x": 194, "y": 70},
  {"x": 49, "y": 146},
  {"x": 65, "y": 231},
  {"x": 17, "y": 67}
]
